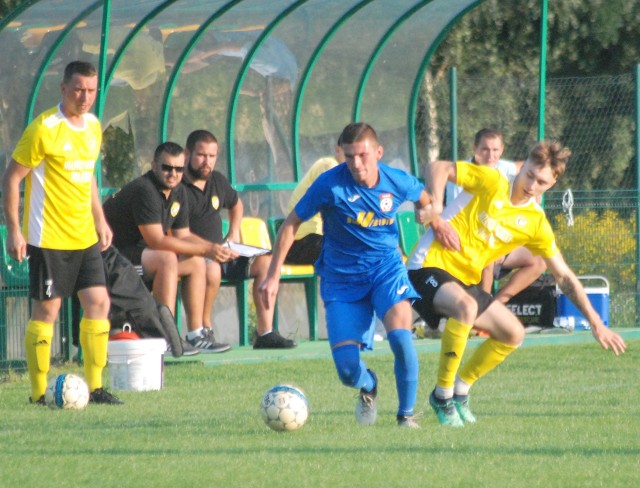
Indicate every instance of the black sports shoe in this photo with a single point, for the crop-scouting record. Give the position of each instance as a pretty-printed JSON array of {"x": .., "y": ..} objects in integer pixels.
[
  {"x": 273, "y": 340},
  {"x": 100, "y": 395},
  {"x": 206, "y": 342},
  {"x": 39, "y": 401},
  {"x": 187, "y": 349}
]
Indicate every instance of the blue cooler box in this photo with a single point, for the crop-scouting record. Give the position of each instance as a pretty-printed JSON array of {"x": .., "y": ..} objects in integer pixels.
[{"x": 597, "y": 288}]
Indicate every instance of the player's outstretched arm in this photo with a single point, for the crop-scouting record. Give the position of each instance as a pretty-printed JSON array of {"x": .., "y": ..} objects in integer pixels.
[
  {"x": 286, "y": 235},
  {"x": 572, "y": 288},
  {"x": 436, "y": 176}
]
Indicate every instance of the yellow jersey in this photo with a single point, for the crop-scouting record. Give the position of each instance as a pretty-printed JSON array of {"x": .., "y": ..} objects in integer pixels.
[
  {"x": 314, "y": 224},
  {"x": 57, "y": 198},
  {"x": 488, "y": 224}
]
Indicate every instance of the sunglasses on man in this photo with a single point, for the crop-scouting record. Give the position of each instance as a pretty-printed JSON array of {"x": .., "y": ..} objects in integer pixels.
[{"x": 167, "y": 168}]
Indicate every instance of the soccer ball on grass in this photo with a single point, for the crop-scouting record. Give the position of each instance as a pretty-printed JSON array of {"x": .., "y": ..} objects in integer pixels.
[
  {"x": 67, "y": 391},
  {"x": 284, "y": 408}
]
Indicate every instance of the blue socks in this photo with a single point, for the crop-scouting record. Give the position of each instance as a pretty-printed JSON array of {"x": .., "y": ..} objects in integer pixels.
[
  {"x": 405, "y": 368},
  {"x": 351, "y": 370}
]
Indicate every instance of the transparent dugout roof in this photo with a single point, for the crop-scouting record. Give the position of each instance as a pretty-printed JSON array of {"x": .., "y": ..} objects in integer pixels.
[{"x": 275, "y": 80}]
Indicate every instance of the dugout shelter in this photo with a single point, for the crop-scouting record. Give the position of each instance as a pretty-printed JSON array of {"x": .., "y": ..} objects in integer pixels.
[{"x": 276, "y": 81}]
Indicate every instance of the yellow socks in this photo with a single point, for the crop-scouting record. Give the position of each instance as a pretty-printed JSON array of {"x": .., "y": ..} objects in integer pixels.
[
  {"x": 94, "y": 338},
  {"x": 488, "y": 355},
  {"x": 454, "y": 342},
  {"x": 37, "y": 345}
]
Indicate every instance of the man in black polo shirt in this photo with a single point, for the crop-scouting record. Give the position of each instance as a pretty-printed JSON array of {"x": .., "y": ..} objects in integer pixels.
[
  {"x": 208, "y": 193},
  {"x": 150, "y": 221}
]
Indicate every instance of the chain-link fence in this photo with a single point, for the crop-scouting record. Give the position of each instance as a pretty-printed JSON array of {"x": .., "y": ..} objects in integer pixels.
[{"x": 592, "y": 116}]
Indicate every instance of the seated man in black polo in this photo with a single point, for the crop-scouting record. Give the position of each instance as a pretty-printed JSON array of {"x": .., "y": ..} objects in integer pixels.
[
  {"x": 209, "y": 192},
  {"x": 150, "y": 221}
]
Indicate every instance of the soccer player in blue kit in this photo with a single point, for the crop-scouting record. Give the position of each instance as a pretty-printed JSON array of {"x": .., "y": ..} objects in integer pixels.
[{"x": 360, "y": 266}]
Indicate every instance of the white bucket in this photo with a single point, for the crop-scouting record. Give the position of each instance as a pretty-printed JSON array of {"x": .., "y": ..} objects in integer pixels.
[{"x": 136, "y": 364}]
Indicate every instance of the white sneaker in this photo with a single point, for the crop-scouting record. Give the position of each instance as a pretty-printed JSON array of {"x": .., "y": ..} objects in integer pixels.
[
  {"x": 408, "y": 421},
  {"x": 366, "y": 410}
]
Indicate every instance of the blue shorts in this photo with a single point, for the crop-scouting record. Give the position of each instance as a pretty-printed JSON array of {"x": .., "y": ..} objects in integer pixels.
[{"x": 351, "y": 308}]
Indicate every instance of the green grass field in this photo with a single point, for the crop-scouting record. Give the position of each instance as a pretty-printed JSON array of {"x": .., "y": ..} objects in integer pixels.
[{"x": 557, "y": 415}]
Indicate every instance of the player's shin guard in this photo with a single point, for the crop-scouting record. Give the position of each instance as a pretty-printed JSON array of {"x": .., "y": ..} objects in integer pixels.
[
  {"x": 488, "y": 355},
  {"x": 351, "y": 370},
  {"x": 405, "y": 368},
  {"x": 94, "y": 338},
  {"x": 454, "y": 342},
  {"x": 37, "y": 345}
]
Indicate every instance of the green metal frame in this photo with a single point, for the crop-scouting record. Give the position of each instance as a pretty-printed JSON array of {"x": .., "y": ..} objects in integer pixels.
[
  {"x": 453, "y": 108},
  {"x": 376, "y": 54},
  {"x": 117, "y": 57},
  {"x": 177, "y": 68},
  {"x": 310, "y": 282},
  {"x": 415, "y": 92},
  {"x": 246, "y": 65},
  {"x": 304, "y": 79},
  {"x": 542, "y": 77},
  {"x": 14, "y": 14},
  {"x": 106, "y": 73},
  {"x": 50, "y": 55}
]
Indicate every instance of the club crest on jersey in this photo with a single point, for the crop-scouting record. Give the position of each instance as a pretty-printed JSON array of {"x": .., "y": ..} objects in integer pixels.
[
  {"x": 175, "y": 208},
  {"x": 215, "y": 202},
  {"x": 521, "y": 221},
  {"x": 386, "y": 202}
]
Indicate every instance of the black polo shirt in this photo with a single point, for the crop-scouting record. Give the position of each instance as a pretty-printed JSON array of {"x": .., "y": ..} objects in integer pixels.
[
  {"x": 142, "y": 202},
  {"x": 205, "y": 206}
]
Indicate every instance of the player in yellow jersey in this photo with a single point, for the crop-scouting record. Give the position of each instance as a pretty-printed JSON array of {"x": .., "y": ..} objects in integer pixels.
[
  {"x": 499, "y": 217},
  {"x": 308, "y": 239},
  {"x": 488, "y": 148},
  {"x": 64, "y": 228}
]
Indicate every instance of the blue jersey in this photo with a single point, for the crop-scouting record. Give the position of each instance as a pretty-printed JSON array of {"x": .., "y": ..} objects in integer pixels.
[{"x": 359, "y": 223}]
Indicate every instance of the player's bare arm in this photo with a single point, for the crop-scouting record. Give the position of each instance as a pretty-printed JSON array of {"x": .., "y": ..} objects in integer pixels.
[
  {"x": 203, "y": 247},
  {"x": 424, "y": 209},
  {"x": 429, "y": 214},
  {"x": 13, "y": 176},
  {"x": 436, "y": 176},
  {"x": 572, "y": 288},
  {"x": 235, "y": 218},
  {"x": 103, "y": 230},
  {"x": 218, "y": 252},
  {"x": 156, "y": 239},
  {"x": 286, "y": 235}
]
